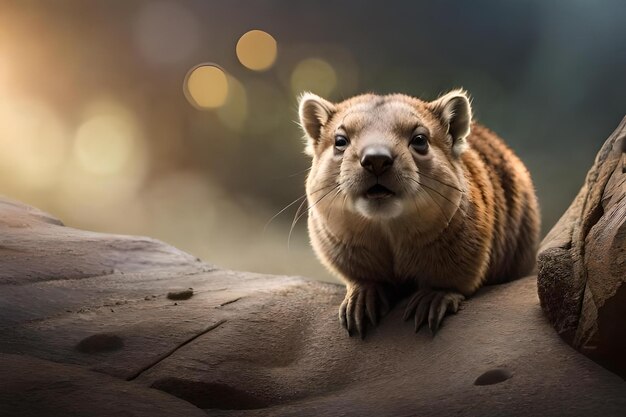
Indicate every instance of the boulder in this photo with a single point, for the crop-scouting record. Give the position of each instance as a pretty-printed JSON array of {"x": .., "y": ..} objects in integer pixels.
[
  {"x": 582, "y": 262},
  {"x": 94, "y": 324},
  {"x": 34, "y": 387}
]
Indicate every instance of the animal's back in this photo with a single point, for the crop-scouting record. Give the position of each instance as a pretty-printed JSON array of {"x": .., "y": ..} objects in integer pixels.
[{"x": 516, "y": 212}]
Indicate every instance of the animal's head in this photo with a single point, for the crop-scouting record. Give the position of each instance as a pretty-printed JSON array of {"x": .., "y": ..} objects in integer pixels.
[{"x": 387, "y": 156}]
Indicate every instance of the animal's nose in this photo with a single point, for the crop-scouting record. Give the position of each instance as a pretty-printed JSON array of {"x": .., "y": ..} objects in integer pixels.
[{"x": 376, "y": 159}]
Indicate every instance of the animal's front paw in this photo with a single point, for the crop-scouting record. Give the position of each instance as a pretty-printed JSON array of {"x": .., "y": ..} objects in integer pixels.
[
  {"x": 361, "y": 300},
  {"x": 432, "y": 305}
]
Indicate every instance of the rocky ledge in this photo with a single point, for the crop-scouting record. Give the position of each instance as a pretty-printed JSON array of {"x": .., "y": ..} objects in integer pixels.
[
  {"x": 582, "y": 262},
  {"x": 103, "y": 325}
]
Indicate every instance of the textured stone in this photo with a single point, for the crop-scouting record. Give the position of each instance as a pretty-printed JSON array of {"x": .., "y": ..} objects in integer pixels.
[
  {"x": 582, "y": 262},
  {"x": 31, "y": 387},
  {"x": 255, "y": 345}
]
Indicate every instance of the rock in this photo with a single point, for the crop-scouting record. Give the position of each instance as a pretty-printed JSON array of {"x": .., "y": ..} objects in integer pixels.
[
  {"x": 250, "y": 344},
  {"x": 66, "y": 253},
  {"x": 209, "y": 395},
  {"x": 582, "y": 262},
  {"x": 31, "y": 387}
]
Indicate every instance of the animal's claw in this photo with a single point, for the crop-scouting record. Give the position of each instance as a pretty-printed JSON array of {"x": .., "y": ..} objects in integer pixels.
[
  {"x": 363, "y": 303},
  {"x": 432, "y": 305}
]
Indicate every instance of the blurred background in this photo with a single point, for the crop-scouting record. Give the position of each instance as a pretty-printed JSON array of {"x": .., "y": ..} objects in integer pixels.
[{"x": 110, "y": 121}]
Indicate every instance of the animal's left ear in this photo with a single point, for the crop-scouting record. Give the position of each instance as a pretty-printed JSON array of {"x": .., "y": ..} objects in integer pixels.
[
  {"x": 314, "y": 113},
  {"x": 455, "y": 112}
]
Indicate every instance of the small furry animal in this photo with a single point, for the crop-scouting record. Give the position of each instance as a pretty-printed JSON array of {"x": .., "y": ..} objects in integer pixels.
[{"x": 408, "y": 196}]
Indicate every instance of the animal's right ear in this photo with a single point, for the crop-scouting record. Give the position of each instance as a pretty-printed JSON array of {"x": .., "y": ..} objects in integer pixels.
[{"x": 314, "y": 113}]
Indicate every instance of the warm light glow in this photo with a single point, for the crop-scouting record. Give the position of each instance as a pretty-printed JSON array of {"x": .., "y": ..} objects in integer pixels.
[
  {"x": 4, "y": 72},
  {"x": 108, "y": 168},
  {"x": 206, "y": 86},
  {"x": 234, "y": 112},
  {"x": 257, "y": 50},
  {"x": 166, "y": 32},
  {"x": 313, "y": 74},
  {"x": 33, "y": 142},
  {"x": 106, "y": 140}
]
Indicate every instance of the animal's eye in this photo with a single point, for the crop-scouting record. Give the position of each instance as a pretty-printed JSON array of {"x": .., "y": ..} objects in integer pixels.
[
  {"x": 341, "y": 142},
  {"x": 419, "y": 143}
]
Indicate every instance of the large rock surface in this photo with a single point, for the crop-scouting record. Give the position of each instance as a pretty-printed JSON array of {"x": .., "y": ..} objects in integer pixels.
[
  {"x": 582, "y": 262},
  {"x": 87, "y": 329}
]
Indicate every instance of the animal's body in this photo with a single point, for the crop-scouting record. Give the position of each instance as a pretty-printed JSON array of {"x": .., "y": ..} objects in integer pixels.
[{"x": 407, "y": 195}]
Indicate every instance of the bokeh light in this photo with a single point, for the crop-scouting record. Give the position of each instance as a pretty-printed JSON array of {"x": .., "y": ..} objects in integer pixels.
[
  {"x": 33, "y": 142},
  {"x": 257, "y": 50},
  {"x": 136, "y": 55},
  {"x": 341, "y": 59},
  {"x": 206, "y": 86},
  {"x": 91, "y": 200},
  {"x": 104, "y": 144},
  {"x": 109, "y": 164},
  {"x": 313, "y": 74},
  {"x": 166, "y": 32},
  {"x": 109, "y": 140}
]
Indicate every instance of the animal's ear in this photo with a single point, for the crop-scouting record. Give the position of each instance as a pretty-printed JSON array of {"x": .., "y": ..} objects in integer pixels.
[
  {"x": 455, "y": 112},
  {"x": 314, "y": 113}
]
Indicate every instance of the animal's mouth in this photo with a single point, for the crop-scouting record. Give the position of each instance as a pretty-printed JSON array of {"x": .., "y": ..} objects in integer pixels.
[{"x": 378, "y": 192}]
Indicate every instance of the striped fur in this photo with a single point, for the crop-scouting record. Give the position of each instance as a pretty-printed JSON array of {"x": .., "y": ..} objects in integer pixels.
[{"x": 463, "y": 215}]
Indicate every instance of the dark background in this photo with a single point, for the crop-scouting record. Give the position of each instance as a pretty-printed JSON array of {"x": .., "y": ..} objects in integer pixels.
[{"x": 548, "y": 76}]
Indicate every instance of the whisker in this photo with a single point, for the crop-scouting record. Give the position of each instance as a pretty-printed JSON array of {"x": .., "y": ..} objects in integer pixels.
[
  {"x": 440, "y": 182},
  {"x": 295, "y": 221},
  {"x": 448, "y": 219},
  {"x": 323, "y": 188},
  {"x": 291, "y": 204},
  {"x": 417, "y": 210},
  {"x": 305, "y": 200},
  {"x": 299, "y": 172},
  {"x": 282, "y": 211},
  {"x": 331, "y": 202},
  {"x": 432, "y": 189},
  {"x": 314, "y": 204},
  {"x": 441, "y": 195},
  {"x": 438, "y": 205}
]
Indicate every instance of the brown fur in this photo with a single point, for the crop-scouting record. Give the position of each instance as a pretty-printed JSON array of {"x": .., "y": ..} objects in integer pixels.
[{"x": 464, "y": 214}]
